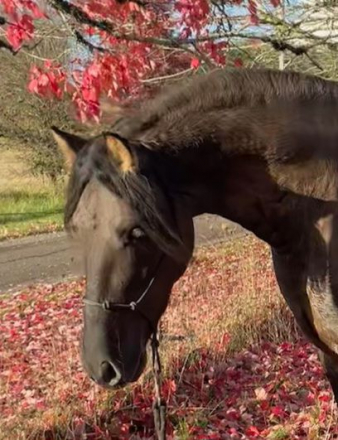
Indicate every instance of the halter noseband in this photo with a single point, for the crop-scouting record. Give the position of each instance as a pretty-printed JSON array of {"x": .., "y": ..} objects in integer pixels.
[
  {"x": 133, "y": 305},
  {"x": 110, "y": 306}
]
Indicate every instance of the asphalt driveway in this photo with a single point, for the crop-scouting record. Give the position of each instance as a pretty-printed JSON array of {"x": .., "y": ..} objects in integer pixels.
[{"x": 51, "y": 258}]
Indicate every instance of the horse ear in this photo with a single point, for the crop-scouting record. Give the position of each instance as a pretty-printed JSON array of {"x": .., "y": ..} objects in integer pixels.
[
  {"x": 120, "y": 154},
  {"x": 69, "y": 144}
]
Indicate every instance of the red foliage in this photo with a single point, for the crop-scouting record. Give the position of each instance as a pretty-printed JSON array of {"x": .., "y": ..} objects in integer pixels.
[
  {"x": 195, "y": 63},
  {"x": 137, "y": 40},
  {"x": 194, "y": 15},
  {"x": 238, "y": 62},
  {"x": 47, "y": 81},
  {"x": 253, "y": 11},
  {"x": 21, "y": 30}
]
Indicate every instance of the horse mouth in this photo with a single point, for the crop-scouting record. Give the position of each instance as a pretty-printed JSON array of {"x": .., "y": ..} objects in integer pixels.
[
  {"x": 125, "y": 379},
  {"x": 138, "y": 370}
]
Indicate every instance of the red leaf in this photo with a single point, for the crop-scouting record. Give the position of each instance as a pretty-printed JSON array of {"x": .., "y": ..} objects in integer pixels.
[
  {"x": 20, "y": 31},
  {"x": 34, "y": 9},
  {"x": 44, "y": 84},
  {"x": 253, "y": 11},
  {"x": 252, "y": 432},
  {"x": 238, "y": 62},
  {"x": 278, "y": 411},
  {"x": 195, "y": 63},
  {"x": 9, "y": 6},
  {"x": 324, "y": 397},
  {"x": 33, "y": 86}
]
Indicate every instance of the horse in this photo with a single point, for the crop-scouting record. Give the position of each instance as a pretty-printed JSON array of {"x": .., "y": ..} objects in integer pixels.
[{"x": 255, "y": 146}]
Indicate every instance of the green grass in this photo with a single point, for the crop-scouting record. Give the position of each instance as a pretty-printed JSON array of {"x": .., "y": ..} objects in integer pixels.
[
  {"x": 280, "y": 434},
  {"x": 28, "y": 204},
  {"x": 28, "y": 212}
]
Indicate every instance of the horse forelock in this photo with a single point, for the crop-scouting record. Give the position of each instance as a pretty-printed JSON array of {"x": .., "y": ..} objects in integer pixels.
[{"x": 138, "y": 190}]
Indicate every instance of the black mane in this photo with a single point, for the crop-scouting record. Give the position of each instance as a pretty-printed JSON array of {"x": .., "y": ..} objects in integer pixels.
[{"x": 229, "y": 104}]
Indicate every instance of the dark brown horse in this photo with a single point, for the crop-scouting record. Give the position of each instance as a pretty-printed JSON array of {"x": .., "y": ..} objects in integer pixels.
[{"x": 257, "y": 147}]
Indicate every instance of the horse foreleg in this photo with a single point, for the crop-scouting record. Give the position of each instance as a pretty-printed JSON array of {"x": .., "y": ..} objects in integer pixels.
[
  {"x": 330, "y": 365},
  {"x": 291, "y": 277}
]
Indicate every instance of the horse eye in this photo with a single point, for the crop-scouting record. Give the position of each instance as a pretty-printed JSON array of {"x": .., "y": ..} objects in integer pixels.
[{"x": 136, "y": 233}]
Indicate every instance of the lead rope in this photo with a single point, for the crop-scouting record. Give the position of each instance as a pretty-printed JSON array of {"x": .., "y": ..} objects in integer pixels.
[{"x": 159, "y": 405}]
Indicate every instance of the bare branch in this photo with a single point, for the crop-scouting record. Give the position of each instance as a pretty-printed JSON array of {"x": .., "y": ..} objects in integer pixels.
[
  {"x": 92, "y": 47},
  {"x": 167, "y": 77},
  {"x": 314, "y": 62},
  {"x": 4, "y": 45},
  {"x": 83, "y": 18},
  {"x": 37, "y": 57}
]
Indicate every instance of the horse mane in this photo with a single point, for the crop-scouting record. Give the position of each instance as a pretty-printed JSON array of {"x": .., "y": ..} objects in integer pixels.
[{"x": 243, "y": 110}]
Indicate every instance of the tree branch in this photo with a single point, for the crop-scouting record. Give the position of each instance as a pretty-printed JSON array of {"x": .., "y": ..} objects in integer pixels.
[
  {"x": 83, "y": 18},
  {"x": 166, "y": 77},
  {"x": 4, "y": 45},
  {"x": 188, "y": 44},
  {"x": 92, "y": 47}
]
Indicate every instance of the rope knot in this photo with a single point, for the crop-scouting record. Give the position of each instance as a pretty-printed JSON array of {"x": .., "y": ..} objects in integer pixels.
[
  {"x": 106, "y": 305},
  {"x": 133, "y": 306}
]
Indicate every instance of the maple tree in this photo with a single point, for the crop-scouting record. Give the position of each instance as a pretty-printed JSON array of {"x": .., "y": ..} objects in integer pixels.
[
  {"x": 123, "y": 46},
  {"x": 128, "y": 43}
]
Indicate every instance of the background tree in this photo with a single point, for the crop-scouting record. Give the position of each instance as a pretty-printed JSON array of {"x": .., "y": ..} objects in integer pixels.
[
  {"x": 79, "y": 51},
  {"x": 26, "y": 118}
]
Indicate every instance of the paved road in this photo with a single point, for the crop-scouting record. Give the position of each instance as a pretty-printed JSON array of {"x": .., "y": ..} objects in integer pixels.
[{"x": 51, "y": 258}]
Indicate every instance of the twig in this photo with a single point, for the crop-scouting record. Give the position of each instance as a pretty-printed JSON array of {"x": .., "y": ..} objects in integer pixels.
[
  {"x": 166, "y": 77},
  {"x": 92, "y": 47},
  {"x": 314, "y": 62},
  {"x": 4, "y": 45},
  {"x": 36, "y": 57}
]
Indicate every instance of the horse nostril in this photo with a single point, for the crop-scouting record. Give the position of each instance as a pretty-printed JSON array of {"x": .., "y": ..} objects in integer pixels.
[{"x": 110, "y": 374}]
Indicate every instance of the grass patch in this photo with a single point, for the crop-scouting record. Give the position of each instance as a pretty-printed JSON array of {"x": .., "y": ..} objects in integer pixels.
[
  {"x": 28, "y": 204},
  {"x": 30, "y": 212},
  {"x": 279, "y": 434}
]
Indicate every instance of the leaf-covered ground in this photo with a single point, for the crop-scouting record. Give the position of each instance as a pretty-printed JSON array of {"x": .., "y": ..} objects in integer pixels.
[{"x": 235, "y": 366}]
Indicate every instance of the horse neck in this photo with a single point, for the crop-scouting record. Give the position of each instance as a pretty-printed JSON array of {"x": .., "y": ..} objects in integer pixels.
[{"x": 239, "y": 189}]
